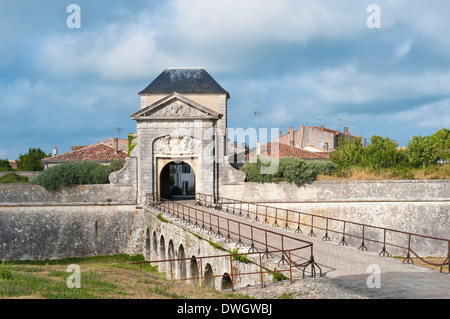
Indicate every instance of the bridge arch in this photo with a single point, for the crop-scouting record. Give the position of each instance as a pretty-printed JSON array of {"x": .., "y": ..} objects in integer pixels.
[
  {"x": 182, "y": 263},
  {"x": 194, "y": 270},
  {"x": 226, "y": 282},
  {"x": 154, "y": 251},
  {"x": 208, "y": 275},
  {"x": 147, "y": 245}
]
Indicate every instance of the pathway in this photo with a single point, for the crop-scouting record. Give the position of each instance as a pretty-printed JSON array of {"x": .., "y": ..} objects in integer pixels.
[{"x": 348, "y": 273}]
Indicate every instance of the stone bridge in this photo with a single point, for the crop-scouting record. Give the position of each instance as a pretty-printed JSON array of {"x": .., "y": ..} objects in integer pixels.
[{"x": 203, "y": 246}]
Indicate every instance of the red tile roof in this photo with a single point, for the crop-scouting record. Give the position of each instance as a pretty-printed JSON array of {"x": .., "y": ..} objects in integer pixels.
[
  {"x": 101, "y": 151},
  {"x": 290, "y": 151}
]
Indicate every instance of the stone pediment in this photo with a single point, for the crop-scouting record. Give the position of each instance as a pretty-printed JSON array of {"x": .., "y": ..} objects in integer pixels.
[{"x": 175, "y": 106}]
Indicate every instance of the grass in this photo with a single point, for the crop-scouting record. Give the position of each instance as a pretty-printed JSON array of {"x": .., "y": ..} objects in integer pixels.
[
  {"x": 104, "y": 277},
  {"x": 360, "y": 173}
]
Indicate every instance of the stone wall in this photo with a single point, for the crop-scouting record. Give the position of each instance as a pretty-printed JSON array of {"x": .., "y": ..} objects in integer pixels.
[
  {"x": 28, "y": 194},
  {"x": 169, "y": 240},
  {"x": 420, "y": 207},
  {"x": 54, "y": 232}
]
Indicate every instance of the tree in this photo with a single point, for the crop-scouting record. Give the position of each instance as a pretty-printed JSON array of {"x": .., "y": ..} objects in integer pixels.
[
  {"x": 382, "y": 153},
  {"x": 441, "y": 140},
  {"x": 348, "y": 153},
  {"x": 5, "y": 166},
  {"x": 31, "y": 161},
  {"x": 421, "y": 151}
]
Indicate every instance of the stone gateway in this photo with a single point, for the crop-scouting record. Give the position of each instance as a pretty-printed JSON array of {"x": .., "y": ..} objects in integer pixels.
[{"x": 182, "y": 119}]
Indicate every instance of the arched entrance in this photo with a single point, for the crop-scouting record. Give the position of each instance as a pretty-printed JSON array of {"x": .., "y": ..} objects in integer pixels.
[{"x": 177, "y": 179}]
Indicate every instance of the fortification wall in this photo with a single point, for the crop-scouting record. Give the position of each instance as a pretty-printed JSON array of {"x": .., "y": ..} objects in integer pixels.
[
  {"x": 420, "y": 207},
  {"x": 53, "y": 232},
  {"x": 78, "y": 221},
  {"x": 29, "y": 194}
]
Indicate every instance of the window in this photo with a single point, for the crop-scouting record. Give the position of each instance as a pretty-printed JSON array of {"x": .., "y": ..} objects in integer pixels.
[
  {"x": 186, "y": 169},
  {"x": 185, "y": 186},
  {"x": 320, "y": 144}
]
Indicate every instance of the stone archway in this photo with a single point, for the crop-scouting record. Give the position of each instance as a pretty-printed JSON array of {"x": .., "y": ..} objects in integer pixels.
[
  {"x": 183, "y": 175},
  {"x": 165, "y": 165}
]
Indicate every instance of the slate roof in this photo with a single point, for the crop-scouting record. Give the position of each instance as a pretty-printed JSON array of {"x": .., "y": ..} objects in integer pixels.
[
  {"x": 184, "y": 81},
  {"x": 101, "y": 151}
]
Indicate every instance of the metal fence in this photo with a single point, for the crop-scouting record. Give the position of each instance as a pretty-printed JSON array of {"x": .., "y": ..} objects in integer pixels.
[
  {"x": 362, "y": 233},
  {"x": 293, "y": 252}
]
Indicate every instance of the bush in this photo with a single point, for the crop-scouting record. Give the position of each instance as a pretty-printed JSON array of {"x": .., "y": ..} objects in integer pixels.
[
  {"x": 13, "y": 178},
  {"x": 69, "y": 174},
  {"x": 177, "y": 190},
  {"x": 290, "y": 169}
]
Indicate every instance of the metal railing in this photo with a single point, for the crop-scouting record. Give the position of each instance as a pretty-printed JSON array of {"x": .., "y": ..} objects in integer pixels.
[
  {"x": 288, "y": 219},
  {"x": 265, "y": 242},
  {"x": 203, "y": 280}
]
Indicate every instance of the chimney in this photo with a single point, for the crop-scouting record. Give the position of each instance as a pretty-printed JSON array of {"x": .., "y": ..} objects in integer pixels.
[
  {"x": 55, "y": 151},
  {"x": 280, "y": 134},
  {"x": 346, "y": 129},
  {"x": 116, "y": 145},
  {"x": 291, "y": 136}
]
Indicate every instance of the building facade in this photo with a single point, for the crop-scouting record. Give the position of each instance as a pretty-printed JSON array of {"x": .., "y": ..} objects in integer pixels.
[{"x": 320, "y": 137}]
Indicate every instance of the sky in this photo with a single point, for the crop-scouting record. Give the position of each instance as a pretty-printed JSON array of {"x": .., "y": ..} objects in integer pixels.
[{"x": 298, "y": 62}]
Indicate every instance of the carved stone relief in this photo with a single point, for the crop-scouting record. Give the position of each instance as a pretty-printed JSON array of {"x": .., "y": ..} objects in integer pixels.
[
  {"x": 177, "y": 109},
  {"x": 176, "y": 145}
]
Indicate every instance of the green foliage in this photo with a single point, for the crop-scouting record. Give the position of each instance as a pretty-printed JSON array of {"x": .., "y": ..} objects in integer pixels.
[
  {"x": 290, "y": 169},
  {"x": 13, "y": 178},
  {"x": 382, "y": 153},
  {"x": 69, "y": 174},
  {"x": 161, "y": 218},
  {"x": 421, "y": 151},
  {"x": 278, "y": 276},
  {"x": 348, "y": 153},
  {"x": 131, "y": 144},
  {"x": 441, "y": 140},
  {"x": 31, "y": 161},
  {"x": 116, "y": 165},
  {"x": 5, "y": 166},
  {"x": 241, "y": 258},
  {"x": 176, "y": 190}
]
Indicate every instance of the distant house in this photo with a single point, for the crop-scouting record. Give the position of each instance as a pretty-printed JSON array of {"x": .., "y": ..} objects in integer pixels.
[
  {"x": 287, "y": 151},
  {"x": 101, "y": 152},
  {"x": 184, "y": 177},
  {"x": 318, "y": 137}
]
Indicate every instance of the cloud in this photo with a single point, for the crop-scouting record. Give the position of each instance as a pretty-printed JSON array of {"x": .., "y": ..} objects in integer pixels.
[{"x": 117, "y": 52}]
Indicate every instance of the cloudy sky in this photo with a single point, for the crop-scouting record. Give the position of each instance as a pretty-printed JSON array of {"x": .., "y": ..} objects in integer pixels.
[{"x": 300, "y": 61}]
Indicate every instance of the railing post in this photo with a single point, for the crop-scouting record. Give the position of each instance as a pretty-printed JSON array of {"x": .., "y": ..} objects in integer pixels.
[
  {"x": 363, "y": 246},
  {"x": 326, "y": 237},
  {"x": 408, "y": 254},
  {"x": 260, "y": 270},
  {"x": 231, "y": 273}
]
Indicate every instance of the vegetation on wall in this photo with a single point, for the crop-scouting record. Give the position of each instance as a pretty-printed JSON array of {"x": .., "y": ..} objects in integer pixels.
[
  {"x": 80, "y": 173},
  {"x": 290, "y": 169},
  {"x": 13, "y": 178},
  {"x": 426, "y": 157},
  {"x": 423, "y": 157},
  {"x": 131, "y": 144}
]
